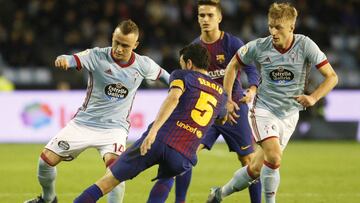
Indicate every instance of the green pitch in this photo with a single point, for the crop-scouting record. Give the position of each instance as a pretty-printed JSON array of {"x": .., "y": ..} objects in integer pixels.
[{"x": 311, "y": 172}]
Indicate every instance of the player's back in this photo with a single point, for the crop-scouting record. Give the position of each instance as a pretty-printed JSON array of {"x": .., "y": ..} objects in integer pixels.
[{"x": 202, "y": 101}]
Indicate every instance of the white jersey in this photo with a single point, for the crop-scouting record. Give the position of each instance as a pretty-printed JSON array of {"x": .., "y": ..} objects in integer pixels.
[
  {"x": 111, "y": 87},
  {"x": 283, "y": 75}
]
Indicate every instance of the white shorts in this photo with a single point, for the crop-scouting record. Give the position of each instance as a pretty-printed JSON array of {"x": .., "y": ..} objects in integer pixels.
[
  {"x": 75, "y": 138},
  {"x": 265, "y": 124}
]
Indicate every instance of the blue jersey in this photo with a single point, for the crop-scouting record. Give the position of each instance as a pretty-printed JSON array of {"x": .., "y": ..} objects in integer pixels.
[
  {"x": 111, "y": 87},
  {"x": 221, "y": 53},
  {"x": 202, "y": 101}
]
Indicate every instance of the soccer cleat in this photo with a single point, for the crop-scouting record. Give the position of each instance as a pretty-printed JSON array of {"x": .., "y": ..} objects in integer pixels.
[
  {"x": 215, "y": 195},
  {"x": 39, "y": 199}
]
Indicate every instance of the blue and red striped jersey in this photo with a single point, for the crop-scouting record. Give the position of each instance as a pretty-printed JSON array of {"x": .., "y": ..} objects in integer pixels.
[
  {"x": 203, "y": 100},
  {"x": 221, "y": 52}
]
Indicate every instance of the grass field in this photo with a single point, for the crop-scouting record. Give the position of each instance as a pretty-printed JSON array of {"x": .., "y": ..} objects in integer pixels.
[{"x": 311, "y": 172}]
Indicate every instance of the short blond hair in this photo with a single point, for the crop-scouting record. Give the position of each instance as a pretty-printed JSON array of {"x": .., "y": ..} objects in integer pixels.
[
  {"x": 128, "y": 26},
  {"x": 283, "y": 11}
]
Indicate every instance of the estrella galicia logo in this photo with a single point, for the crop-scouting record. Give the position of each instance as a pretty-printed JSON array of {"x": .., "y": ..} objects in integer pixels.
[
  {"x": 281, "y": 75},
  {"x": 116, "y": 91},
  {"x": 63, "y": 145}
]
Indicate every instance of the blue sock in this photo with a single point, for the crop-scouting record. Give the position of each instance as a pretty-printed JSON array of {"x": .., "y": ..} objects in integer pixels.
[
  {"x": 90, "y": 195},
  {"x": 160, "y": 191},
  {"x": 255, "y": 192},
  {"x": 182, "y": 186}
]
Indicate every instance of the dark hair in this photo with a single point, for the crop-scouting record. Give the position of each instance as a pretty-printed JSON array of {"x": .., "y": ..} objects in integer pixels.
[
  {"x": 198, "y": 54},
  {"x": 128, "y": 26},
  {"x": 215, "y": 3}
]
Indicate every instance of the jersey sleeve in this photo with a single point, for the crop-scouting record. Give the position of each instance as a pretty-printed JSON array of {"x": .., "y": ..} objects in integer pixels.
[
  {"x": 314, "y": 54},
  {"x": 152, "y": 70},
  {"x": 177, "y": 80},
  {"x": 86, "y": 59},
  {"x": 246, "y": 54},
  {"x": 250, "y": 70}
]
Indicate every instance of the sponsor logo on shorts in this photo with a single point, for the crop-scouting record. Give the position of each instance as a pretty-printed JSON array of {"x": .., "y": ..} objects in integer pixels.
[
  {"x": 189, "y": 128},
  {"x": 63, "y": 145},
  {"x": 116, "y": 91}
]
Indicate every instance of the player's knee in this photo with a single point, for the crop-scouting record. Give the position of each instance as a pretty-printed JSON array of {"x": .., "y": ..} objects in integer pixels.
[
  {"x": 244, "y": 160},
  {"x": 50, "y": 157},
  {"x": 274, "y": 158}
]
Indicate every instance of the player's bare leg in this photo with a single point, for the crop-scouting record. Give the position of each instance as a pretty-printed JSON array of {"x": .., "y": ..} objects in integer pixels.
[{"x": 117, "y": 194}]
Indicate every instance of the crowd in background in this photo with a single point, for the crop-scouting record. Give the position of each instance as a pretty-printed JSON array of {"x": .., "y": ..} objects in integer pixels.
[{"x": 34, "y": 32}]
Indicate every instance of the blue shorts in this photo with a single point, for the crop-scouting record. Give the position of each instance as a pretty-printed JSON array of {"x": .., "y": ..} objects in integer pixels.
[
  {"x": 238, "y": 137},
  {"x": 131, "y": 163}
]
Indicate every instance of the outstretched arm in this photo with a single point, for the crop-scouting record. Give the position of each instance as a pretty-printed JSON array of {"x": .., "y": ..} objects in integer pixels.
[
  {"x": 164, "y": 76},
  {"x": 331, "y": 79},
  {"x": 165, "y": 111},
  {"x": 65, "y": 62}
]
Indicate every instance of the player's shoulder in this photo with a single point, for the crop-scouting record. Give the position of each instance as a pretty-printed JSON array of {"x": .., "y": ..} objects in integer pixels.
[
  {"x": 180, "y": 74},
  {"x": 260, "y": 43},
  {"x": 143, "y": 59}
]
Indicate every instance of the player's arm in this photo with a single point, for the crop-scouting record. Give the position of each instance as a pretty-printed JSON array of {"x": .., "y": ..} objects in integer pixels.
[
  {"x": 164, "y": 113},
  {"x": 253, "y": 79},
  {"x": 164, "y": 76},
  {"x": 65, "y": 62},
  {"x": 229, "y": 79},
  {"x": 331, "y": 79}
]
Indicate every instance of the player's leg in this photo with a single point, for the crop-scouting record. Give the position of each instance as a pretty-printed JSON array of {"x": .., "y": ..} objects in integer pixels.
[
  {"x": 245, "y": 156},
  {"x": 111, "y": 143},
  {"x": 58, "y": 149},
  {"x": 117, "y": 194},
  {"x": 160, "y": 191},
  {"x": 242, "y": 178},
  {"x": 270, "y": 175},
  {"x": 127, "y": 166},
  {"x": 183, "y": 181},
  {"x": 103, "y": 186},
  {"x": 46, "y": 174}
]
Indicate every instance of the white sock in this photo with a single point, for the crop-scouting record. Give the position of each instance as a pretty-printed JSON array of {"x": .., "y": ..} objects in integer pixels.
[
  {"x": 270, "y": 180},
  {"x": 46, "y": 177},
  {"x": 117, "y": 194},
  {"x": 240, "y": 181}
]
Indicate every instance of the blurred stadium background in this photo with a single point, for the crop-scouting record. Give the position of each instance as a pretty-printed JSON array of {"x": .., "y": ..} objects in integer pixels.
[{"x": 43, "y": 99}]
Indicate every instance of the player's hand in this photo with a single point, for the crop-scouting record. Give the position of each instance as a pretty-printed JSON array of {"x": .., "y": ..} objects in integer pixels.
[
  {"x": 248, "y": 96},
  {"x": 62, "y": 63},
  {"x": 221, "y": 121},
  {"x": 306, "y": 100},
  {"x": 148, "y": 141},
  {"x": 231, "y": 108}
]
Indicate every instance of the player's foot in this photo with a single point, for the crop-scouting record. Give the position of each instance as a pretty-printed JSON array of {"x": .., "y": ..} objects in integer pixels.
[
  {"x": 215, "y": 195},
  {"x": 39, "y": 199}
]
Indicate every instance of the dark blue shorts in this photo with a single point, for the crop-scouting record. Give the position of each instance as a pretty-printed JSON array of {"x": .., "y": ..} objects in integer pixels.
[
  {"x": 131, "y": 163},
  {"x": 238, "y": 137}
]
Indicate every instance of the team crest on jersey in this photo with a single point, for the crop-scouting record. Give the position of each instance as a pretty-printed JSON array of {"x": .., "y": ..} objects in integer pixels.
[
  {"x": 281, "y": 75},
  {"x": 244, "y": 49},
  {"x": 220, "y": 58},
  {"x": 116, "y": 91}
]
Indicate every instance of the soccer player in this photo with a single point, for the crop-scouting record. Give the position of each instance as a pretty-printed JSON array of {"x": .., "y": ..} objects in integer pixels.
[
  {"x": 115, "y": 73},
  {"x": 193, "y": 102},
  {"x": 222, "y": 47},
  {"x": 285, "y": 59}
]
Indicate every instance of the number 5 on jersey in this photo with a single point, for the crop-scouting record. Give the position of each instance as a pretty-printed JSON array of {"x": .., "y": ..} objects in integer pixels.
[{"x": 204, "y": 109}]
